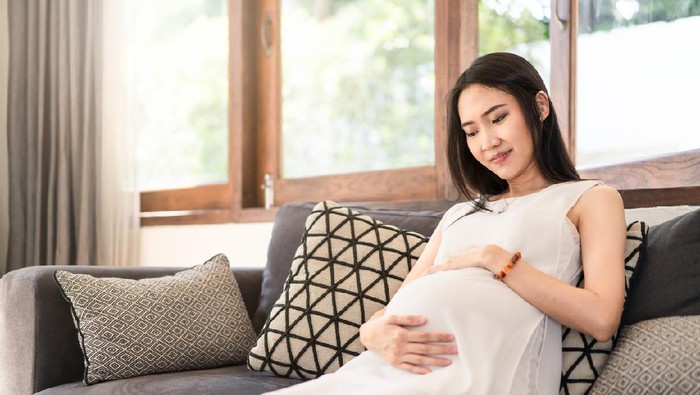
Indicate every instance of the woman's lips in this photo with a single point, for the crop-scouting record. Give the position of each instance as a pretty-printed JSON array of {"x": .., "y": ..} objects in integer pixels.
[{"x": 500, "y": 158}]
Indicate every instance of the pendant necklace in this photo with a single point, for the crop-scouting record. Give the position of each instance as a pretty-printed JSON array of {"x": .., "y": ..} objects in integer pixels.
[{"x": 504, "y": 207}]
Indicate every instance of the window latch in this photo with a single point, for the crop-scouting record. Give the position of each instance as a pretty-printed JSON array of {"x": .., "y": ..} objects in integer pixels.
[{"x": 268, "y": 188}]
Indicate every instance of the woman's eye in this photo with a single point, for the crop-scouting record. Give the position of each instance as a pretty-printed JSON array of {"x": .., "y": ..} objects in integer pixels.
[
  {"x": 471, "y": 134},
  {"x": 500, "y": 118}
]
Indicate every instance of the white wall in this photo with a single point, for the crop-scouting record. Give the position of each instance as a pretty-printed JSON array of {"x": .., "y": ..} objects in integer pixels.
[{"x": 245, "y": 245}]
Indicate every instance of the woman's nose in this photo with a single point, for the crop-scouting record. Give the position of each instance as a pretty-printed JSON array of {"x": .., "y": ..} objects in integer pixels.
[{"x": 489, "y": 140}]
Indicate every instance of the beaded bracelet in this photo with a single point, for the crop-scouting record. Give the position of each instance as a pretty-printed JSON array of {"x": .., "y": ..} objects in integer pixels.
[{"x": 502, "y": 274}]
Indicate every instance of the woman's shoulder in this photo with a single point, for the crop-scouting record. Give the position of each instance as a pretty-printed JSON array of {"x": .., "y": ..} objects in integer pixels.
[
  {"x": 599, "y": 199},
  {"x": 600, "y": 194}
]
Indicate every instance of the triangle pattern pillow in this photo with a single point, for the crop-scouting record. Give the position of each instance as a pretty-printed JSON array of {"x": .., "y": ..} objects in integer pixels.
[
  {"x": 583, "y": 357},
  {"x": 347, "y": 267}
]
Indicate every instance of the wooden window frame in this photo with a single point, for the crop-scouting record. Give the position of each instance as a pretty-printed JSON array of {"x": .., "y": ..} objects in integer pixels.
[{"x": 254, "y": 130}]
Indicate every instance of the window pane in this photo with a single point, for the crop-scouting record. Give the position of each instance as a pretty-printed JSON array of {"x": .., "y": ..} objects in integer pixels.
[
  {"x": 637, "y": 79},
  {"x": 517, "y": 26},
  {"x": 179, "y": 60},
  {"x": 358, "y": 85}
]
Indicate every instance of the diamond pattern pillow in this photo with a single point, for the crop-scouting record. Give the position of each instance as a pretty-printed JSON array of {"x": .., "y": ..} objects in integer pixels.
[
  {"x": 194, "y": 319},
  {"x": 658, "y": 356},
  {"x": 583, "y": 357},
  {"x": 347, "y": 267}
]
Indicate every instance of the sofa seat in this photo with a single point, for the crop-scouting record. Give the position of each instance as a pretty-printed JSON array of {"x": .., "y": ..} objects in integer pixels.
[{"x": 227, "y": 380}]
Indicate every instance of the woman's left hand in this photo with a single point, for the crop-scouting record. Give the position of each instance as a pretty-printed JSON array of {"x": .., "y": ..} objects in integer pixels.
[{"x": 490, "y": 257}]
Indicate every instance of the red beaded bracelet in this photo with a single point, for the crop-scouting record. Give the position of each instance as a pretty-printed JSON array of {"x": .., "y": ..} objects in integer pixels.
[{"x": 502, "y": 274}]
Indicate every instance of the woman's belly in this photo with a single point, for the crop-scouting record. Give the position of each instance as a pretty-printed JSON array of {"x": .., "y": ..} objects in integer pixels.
[
  {"x": 466, "y": 300},
  {"x": 492, "y": 325}
]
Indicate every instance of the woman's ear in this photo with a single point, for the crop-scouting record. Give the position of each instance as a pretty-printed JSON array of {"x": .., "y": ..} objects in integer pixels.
[{"x": 542, "y": 104}]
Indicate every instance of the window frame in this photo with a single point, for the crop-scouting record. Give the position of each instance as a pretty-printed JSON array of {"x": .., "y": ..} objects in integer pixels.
[{"x": 254, "y": 119}]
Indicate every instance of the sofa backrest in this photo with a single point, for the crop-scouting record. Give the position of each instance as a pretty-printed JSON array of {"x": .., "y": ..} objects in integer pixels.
[
  {"x": 288, "y": 231},
  {"x": 657, "y": 215}
]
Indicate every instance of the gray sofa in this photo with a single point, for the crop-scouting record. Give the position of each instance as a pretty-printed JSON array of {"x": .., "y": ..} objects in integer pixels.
[{"x": 39, "y": 351}]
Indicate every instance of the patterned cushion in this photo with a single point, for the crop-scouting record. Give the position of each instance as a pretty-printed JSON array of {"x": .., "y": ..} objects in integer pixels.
[
  {"x": 583, "y": 357},
  {"x": 659, "y": 356},
  {"x": 193, "y": 320},
  {"x": 347, "y": 267}
]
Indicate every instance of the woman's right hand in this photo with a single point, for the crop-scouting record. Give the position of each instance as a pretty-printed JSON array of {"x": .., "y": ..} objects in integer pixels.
[{"x": 407, "y": 349}]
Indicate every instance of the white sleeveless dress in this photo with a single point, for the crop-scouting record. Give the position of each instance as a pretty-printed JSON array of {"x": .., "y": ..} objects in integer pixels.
[{"x": 506, "y": 345}]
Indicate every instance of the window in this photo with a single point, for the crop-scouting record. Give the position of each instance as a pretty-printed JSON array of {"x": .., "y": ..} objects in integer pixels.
[
  {"x": 401, "y": 121},
  {"x": 280, "y": 134},
  {"x": 358, "y": 86},
  {"x": 178, "y": 52},
  {"x": 634, "y": 82},
  {"x": 417, "y": 45}
]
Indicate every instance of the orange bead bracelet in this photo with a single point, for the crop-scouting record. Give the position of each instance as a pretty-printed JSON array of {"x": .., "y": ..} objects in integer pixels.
[{"x": 513, "y": 260}]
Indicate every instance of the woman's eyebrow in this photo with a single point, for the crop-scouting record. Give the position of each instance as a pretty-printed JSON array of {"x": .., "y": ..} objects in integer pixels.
[{"x": 487, "y": 112}]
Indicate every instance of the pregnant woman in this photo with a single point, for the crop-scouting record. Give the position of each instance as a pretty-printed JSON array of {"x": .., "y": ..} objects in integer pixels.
[{"x": 481, "y": 312}]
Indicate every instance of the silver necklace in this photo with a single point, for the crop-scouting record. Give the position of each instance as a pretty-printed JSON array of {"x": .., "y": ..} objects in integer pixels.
[{"x": 504, "y": 207}]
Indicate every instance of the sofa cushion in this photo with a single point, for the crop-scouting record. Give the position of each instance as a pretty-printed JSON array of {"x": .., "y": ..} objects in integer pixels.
[
  {"x": 666, "y": 283},
  {"x": 583, "y": 357},
  {"x": 347, "y": 267},
  {"x": 287, "y": 233},
  {"x": 194, "y": 319},
  {"x": 218, "y": 381},
  {"x": 659, "y": 356}
]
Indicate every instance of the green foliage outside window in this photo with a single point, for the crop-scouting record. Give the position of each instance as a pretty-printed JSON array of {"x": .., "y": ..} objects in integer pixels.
[{"x": 358, "y": 85}]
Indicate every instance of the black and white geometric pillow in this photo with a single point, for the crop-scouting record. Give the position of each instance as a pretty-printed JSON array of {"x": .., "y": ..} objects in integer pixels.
[
  {"x": 583, "y": 357},
  {"x": 347, "y": 267}
]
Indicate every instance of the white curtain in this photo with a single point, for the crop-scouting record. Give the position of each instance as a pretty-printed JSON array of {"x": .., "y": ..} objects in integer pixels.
[
  {"x": 4, "y": 177},
  {"x": 118, "y": 208}
]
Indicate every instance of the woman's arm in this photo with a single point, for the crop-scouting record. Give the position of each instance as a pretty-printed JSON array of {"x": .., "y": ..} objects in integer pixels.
[
  {"x": 595, "y": 309},
  {"x": 410, "y": 350}
]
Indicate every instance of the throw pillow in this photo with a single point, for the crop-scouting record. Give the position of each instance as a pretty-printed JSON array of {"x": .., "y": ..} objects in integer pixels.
[
  {"x": 583, "y": 357},
  {"x": 194, "y": 319},
  {"x": 671, "y": 258},
  {"x": 658, "y": 356},
  {"x": 347, "y": 267},
  {"x": 288, "y": 231}
]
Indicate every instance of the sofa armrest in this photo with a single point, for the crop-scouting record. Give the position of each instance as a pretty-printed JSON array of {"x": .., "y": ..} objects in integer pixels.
[{"x": 38, "y": 341}]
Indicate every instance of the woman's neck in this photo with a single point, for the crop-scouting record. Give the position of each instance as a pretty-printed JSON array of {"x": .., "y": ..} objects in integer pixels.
[{"x": 522, "y": 188}]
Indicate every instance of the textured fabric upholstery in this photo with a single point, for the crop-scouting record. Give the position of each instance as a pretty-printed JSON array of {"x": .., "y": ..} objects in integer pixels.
[{"x": 221, "y": 381}]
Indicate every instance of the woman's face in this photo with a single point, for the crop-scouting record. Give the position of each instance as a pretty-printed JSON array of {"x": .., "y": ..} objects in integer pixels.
[{"x": 496, "y": 132}]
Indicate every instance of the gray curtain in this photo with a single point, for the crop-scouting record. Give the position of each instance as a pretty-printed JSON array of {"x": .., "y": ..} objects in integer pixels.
[
  {"x": 55, "y": 139},
  {"x": 4, "y": 209}
]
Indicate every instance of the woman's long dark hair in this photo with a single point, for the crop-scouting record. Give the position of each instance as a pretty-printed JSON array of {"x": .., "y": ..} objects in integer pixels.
[{"x": 516, "y": 76}]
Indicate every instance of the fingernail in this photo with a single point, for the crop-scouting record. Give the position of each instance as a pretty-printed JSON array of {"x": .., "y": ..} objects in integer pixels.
[
  {"x": 446, "y": 362},
  {"x": 454, "y": 350}
]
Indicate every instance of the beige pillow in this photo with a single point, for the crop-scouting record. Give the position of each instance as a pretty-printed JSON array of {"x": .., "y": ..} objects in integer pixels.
[{"x": 194, "y": 319}]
